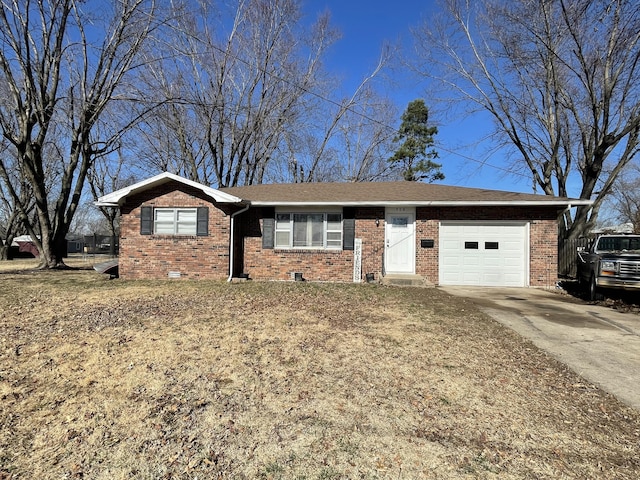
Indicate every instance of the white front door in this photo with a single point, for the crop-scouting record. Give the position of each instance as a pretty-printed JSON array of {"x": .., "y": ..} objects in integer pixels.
[{"x": 400, "y": 240}]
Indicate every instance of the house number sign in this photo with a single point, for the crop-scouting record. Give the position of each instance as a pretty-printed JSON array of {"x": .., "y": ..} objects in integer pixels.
[{"x": 357, "y": 260}]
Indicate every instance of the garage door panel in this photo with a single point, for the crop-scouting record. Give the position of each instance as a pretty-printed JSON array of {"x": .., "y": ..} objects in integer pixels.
[
  {"x": 490, "y": 278},
  {"x": 511, "y": 246},
  {"x": 512, "y": 278},
  {"x": 470, "y": 261},
  {"x": 471, "y": 278},
  {"x": 483, "y": 253},
  {"x": 493, "y": 263},
  {"x": 512, "y": 262}
]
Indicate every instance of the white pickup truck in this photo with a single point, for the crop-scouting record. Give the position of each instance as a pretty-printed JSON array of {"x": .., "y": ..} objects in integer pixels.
[{"x": 611, "y": 262}]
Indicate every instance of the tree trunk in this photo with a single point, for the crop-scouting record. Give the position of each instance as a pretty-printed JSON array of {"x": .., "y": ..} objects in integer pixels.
[
  {"x": 112, "y": 244},
  {"x": 54, "y": 251}
]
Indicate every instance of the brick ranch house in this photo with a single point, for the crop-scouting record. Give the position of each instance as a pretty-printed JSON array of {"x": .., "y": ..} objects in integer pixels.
[{"x": 172, "y": 227}]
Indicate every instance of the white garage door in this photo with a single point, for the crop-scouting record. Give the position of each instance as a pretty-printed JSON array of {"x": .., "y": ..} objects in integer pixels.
[{"x": 484, "y": 253}]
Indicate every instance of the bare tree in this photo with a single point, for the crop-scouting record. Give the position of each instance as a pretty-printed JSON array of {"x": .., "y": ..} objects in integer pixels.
[
  {"x": 248, "y": 100},
  {"x": 236, "y": 81},
  {"x": 315, "y": 145},
  {"x": 365, "y": 141},
  {"x": 559, "y": 78},
  {"x": 173, "y": 139},
  {"x": 625, "y": 197},
  {"x": 12, "y": 185},
  {"x": 107, "y": 174},
  {"x": 63, "y": 63}
]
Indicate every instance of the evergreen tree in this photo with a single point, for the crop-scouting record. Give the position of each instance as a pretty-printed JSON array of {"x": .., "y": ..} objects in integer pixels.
[{"x": 417, "y": 136}]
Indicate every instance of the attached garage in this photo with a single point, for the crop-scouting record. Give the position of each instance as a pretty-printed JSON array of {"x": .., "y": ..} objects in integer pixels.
[{"x": 484, "y": 253}]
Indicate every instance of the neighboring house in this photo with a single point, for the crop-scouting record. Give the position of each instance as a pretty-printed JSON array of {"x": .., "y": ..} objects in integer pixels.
[
  {"x": 173, "y": 227},
  {"x": 23, "y": 246},
  {"x": 75, "y": 243}
]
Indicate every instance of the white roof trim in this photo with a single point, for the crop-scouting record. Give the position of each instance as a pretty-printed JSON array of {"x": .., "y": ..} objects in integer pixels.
[
  {"x": 568, "y": 203},
  {"x": 116, "y": 199}
]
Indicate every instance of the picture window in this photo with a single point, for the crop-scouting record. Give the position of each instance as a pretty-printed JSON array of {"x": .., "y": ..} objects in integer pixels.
[{"x": 308, "y": 230}]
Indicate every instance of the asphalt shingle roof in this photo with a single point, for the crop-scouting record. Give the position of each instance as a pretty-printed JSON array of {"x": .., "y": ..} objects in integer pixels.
[{"x": 385, "y": 193}]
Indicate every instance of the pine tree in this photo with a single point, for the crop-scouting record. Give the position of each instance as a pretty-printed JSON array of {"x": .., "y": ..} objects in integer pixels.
[{"x": 417, "y": 137}]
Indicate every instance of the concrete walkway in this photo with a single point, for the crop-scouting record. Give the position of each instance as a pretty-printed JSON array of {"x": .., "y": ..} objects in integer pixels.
[{"x": 599, "y": 343}]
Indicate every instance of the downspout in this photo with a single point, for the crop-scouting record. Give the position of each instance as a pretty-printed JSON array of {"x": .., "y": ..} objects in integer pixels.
[{"x": 231, "y": 240}]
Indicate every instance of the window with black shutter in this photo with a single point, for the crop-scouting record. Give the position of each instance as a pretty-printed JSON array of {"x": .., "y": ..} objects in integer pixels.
[
  {"x": 268, "y": 232},
  {"x": 146, "y": 220},
  {"x": 203, "y": 222},
  {"x": 348, "y": 228}
]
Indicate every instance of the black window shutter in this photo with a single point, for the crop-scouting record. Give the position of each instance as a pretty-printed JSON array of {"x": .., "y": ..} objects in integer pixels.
[
  {"x": 348, "y": 228},
  {"x": 203, "y": 222},
  {"x": 146, "y": 220},
  {"x": 268, "y": 228}
]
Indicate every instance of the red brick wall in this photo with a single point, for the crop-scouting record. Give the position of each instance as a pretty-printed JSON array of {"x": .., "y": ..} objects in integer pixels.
[
  {"x": 266, "y": 264},
  {"x": 427, "y": 228},
  {"x": 543, "y": 237},
  {"x": 543, "y": 253},
  {"x": 154, "y": 256},
  {"x": 315, "y": 265}
]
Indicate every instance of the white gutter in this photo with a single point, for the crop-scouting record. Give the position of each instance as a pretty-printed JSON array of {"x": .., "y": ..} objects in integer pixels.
[
  {"x": 231, "y": 243},
  {"x": 432, "y": 203}
]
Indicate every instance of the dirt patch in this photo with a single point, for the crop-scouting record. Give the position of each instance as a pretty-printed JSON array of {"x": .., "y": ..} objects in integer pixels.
[
  {"x": 621, "y": 300},
  {"x": 113, "y": 379}
]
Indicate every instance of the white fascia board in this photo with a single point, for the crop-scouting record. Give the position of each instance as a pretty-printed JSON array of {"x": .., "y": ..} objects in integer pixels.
[
  {"x": 116, "y": 198},
  {"x": 442, "y": 203}
]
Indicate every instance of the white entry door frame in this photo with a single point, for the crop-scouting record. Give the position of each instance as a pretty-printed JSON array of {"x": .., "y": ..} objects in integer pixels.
[{"x": 400, "y": 240}]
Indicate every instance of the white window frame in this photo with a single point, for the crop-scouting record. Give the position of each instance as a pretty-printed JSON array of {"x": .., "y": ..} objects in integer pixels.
[
  {"x": 186, "y": 226},
  {"x": 285, "y": 231}
]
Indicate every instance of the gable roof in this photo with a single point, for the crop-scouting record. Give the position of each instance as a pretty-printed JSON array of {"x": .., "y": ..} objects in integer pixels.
[
  {"x": 389, "y": 194},
  {"x": 117, "y": 198},
  {"x": 401, "y": 193}
]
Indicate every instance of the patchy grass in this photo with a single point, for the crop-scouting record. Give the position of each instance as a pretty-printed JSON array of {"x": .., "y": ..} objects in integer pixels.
[
  {"x": 30, "y": 265},
  {"x": 111, "y": 379}
]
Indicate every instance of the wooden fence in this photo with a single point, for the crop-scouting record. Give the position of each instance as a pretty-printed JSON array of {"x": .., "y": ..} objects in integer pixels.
[{"x": 568, "y": 255}]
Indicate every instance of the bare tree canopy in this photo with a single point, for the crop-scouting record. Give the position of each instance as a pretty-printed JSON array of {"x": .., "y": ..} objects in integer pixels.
[
  {"x": 560, "y": 79},
  {"x": 625, "y": 198},
  {"x": 247, "y": 98},
  {"x": 235, "y": 78},
  {"x": 63, "y": 63},
  {"x": 365, "y": 140}
]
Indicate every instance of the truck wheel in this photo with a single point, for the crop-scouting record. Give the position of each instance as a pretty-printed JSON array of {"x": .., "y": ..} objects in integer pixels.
[{"x": 594, "y": 294}]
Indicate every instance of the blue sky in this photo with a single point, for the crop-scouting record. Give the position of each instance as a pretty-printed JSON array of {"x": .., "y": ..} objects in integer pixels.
[{"x": 365, "y": 26}]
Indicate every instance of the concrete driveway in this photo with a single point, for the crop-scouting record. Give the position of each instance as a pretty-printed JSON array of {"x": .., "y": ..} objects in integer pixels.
[{"x": 599, "y": 343}]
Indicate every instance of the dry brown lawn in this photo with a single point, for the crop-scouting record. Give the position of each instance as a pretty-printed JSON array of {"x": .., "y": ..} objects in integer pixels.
[{"x": 107, "y": 379}]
